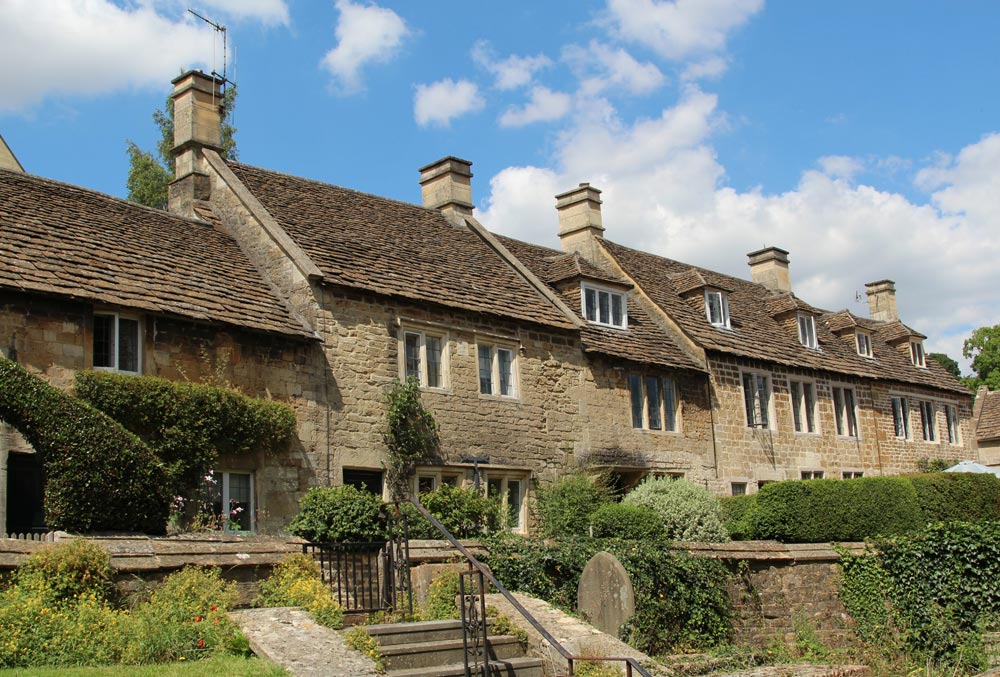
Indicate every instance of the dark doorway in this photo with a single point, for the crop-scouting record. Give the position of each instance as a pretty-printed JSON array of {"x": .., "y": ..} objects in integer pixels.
[
  {"x": 366, "y": 480},
  {"x": 25, "y": 493}
]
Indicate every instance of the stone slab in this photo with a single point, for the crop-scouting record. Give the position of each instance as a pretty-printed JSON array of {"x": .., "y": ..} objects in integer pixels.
[{"x": 605, "y": 597}]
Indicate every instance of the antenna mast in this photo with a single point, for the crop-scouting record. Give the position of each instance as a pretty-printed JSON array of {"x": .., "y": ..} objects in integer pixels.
[{"x": 218, "y": 29}]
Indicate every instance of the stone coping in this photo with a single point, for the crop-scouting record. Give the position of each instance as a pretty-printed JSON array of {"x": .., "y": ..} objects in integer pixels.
[{"x": 770, "y": 550}]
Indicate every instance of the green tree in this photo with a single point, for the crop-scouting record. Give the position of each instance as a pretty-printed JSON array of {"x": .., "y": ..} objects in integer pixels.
[
  {"x": 983, "y": 348},
  {"x": 950, "y": 365},
  {"x": 410, "y": 436},
  {"x": 150, "y": 173}
]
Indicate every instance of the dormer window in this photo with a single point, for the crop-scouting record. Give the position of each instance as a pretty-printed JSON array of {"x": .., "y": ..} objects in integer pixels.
[
  {"x": 603, "y": 306},
  {"x": 807, "y": 331},
  {"x": 917, "y": 353},
  {"x": 863, "y": 340},
  {"x": 717, "y": 308}
]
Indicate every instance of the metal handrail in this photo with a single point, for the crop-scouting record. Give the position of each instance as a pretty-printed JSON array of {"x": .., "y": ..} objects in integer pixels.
[{"x": 630, "y": 663}]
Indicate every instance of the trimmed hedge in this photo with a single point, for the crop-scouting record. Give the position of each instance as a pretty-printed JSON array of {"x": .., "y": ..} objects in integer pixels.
[
  {"x": 948, "y": 496},
  {"x": 339, "y": 515},
  {"x": 736, "y": 511},
  {"x": 564, "y": 507},
  {"x": 188, "y": 424},
  {"x": 99, "y": 476},
  {"x": 627, "y": 522}
]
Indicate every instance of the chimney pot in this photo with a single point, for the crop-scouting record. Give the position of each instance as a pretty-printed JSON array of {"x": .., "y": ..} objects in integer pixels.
[
  {"x": 580, "y": 220},
  {"x": 882, "y": 300},
  {"x": 446, "y": 185},
  {"x": 769, "y": 267},
  {"x": 198, "y": 114}
]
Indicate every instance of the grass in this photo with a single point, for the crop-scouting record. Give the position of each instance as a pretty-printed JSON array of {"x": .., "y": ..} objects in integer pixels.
[{"x": 216, "y": 666}]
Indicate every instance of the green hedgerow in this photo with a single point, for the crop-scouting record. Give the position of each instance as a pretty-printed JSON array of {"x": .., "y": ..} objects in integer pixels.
[
  {"x": 688, "y": 511},
  {"x": 297, "y": 582},
  {"x": 339, "y": 515},
  {"x": 627, "y": 522},
  {"x": 565, "y": 507}
]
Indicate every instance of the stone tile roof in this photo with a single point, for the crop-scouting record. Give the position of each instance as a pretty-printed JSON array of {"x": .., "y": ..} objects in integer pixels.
[
  {"x": 395, "y": 248},
  {"x": 756, "y": 334},
  {"x": 61, "y": 239},
  {"x": 559, "y": 267},
  {"x": 645, "y": 341},
  {"x": 988, "y": 425}
]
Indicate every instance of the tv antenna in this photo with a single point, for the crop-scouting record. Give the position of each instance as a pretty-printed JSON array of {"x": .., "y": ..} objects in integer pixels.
[{"x": 218, "y": 29}]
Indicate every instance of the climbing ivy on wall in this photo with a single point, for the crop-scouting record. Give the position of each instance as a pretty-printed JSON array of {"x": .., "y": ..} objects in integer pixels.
[
  {"x": 188, "y": 425},
  {"x": 411, "y": 435},
  {"x": 99, "y": 476}
]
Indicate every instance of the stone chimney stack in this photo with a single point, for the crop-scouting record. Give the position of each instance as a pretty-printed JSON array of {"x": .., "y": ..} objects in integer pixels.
[
  {"x": 769, "y": 267},
  {"x": 580, "y": 221},
  {"x": 446, "y": 185},
  {"x": 882, "y": 300},
  {"x": 198, "y": 115}
]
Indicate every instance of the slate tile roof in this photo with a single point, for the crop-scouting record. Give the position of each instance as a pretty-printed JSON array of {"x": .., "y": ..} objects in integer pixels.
[
  {"x": 389, "y": 247},
  {"x": 645, "y": 341},
  {"x": 756, "y": 334},
  {"x": 988, "y": 426},
  {"x": 61, "y": 239}
]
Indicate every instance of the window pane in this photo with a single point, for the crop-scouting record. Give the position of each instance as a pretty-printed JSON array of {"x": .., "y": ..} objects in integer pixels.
[
  {"x": 493, "y": 487},
  {"x": 603, "y": 303},
  {"x": 739, "y": 488},
  {"x": 852, "y": 420},
  {"x": 669, "y": 405},
  {"x": 617, "y": 308},
  {"x": 838, "y": 409},
  {"x": 239, "y": 500},
  {"x": 714, "y": 307},
  {"x": 810, "y": 393},
  {"x": 425, "y": 483},
  {"x": 412, "y": 358},
  {"x": 797, "y": 397},
  {"x": 514, "y": 499},
  {"x": 763, "y": 400},
  {"x": 899, "y": 416},
  {"x": 749, "y": 399},
  {"x": 450, "y": 480},
  {"x": 104, "y": 340},
  {"x": 486, "y": 370},
  {"x": 927, "y": 418},
  {"x": 432, "y": 346},
  {"x": 952, "y": 415},
  {"x": 635, "y": 391},
  {"x": 590, "y": 302},
  {"x": 505, "y": 363},
  {"x": 128, "y": 345},
  {"x": 653, "y": 402}
]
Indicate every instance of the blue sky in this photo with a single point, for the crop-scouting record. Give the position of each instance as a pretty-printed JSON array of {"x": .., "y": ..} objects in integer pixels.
[{"x": 863, "y": 137}]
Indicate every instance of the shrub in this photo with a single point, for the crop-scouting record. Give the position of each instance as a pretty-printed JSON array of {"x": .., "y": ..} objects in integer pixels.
[
  {"x": 410, "y": 436},
  {"x": 564, "y": 508},
  {"x": 817, "y": 511},
  {"x": 689, "y": 512},
  {"x": 296, "y": 582},
  {"x": 627, "y": 522},
  {"x": 737, "y": 515},
  {"x": 466, "y": 513},
  {"x": 967, "y": 497},
  {"x": 188, "y": 424},
  {"x": 441, "y": 594},
  {"x": 339, "y": 514},
  {"x": 67, "y": 571},
  {"x": 99, "y": 476}
]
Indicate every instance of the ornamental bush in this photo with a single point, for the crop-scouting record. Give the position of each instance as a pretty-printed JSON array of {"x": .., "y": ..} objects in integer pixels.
[
  {"x": 339, "y": 515},
  {"x": 967, "y": 497},
  {"x": 688, "y": 511},
  {"x": 297, "y": 582},
  {"x": 188, "y": 425},
  {"x": 736, "y": 512},
  {"x": 564, "y": 508},
  {"x": 464, "y": 512},
  {"x": 67, "y": 570},
  {"x": 99, "y": 476},
  {"x": 627, "y": 522}
]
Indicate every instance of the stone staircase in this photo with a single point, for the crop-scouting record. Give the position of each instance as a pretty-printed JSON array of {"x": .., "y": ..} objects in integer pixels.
[{"x": 435, "y": 649}]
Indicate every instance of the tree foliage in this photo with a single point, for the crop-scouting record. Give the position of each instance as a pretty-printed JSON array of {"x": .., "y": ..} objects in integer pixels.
[
  {"x": 983, "y": 348},
  {"x": 150, "y": 173},
  {"x": 410, "y": 436},
  {"x": 950, "y": 365}
]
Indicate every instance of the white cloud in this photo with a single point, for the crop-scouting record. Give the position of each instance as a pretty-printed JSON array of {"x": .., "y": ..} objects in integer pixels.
[
  {"x": 664, "y": 191},
  {"x": 366, "y": 33},
  {"x": 601, "y": 67},
  {"x": 441, "y": 102},
  {"x": 680, "y": 29},
  {"x": 269, "y": 12},
  {"x": 92, "y": 47},
  {"x": 544, "y": 106},
  {"x": 706, "y": 69},
  {"x": 510, "y": 73}
]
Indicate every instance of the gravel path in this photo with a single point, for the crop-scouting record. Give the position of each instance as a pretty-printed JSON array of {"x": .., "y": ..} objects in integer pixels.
[{"x": 292, "y": 639}]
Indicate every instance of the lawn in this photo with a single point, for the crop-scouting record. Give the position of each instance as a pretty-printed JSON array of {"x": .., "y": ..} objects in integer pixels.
[{"x": 217, "y": 666}]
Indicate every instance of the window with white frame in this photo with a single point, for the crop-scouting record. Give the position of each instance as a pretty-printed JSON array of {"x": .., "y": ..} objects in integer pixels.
[
  {"x": 738, "y": 488},
  {"x": 432, "y": 479},
  {"x": 863, "y": 341},
  {"x": 852, "y": 474},
  {"x": 425, "y": 357},
  {"x": 232, "y": 495},
  {"x": 917, "y": 353},
  {"x": 927, "y": 413},
  {"x": 510, "y": 492},
  {"x": 603, "y": 306},
  {"x": 654, "y": 402},
  {"x": 951, "y": 416},
  {"x": 717, "y": 308},
  {"x": 117, "y": 343},
  {"x": 757, "y": 399},
  {"x": 807, "y": 331},
  {"x": 497, "y": 370},
  {"x": 803, "y": 406},
  {"x": 812, "y": 474},
  {"x": 901, "y": 417},
  {"x": 845, "y": 411}
]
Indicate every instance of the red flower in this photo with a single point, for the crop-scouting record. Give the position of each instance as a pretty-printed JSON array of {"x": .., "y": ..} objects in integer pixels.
[
  {"x": 197, "y": 619},
  {"x": 201, "y": 644},
  {"x": 213, "y": 608}
]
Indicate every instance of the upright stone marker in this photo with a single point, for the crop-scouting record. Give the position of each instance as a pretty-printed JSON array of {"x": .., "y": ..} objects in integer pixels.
[{"x": 605, "y": 597}]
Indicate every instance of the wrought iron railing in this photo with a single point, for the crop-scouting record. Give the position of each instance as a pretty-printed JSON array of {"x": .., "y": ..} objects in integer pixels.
[{"x": 474, "y": 627}]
